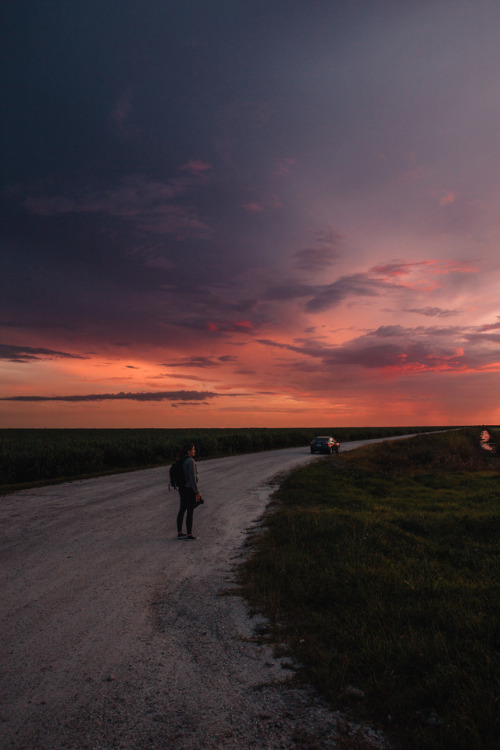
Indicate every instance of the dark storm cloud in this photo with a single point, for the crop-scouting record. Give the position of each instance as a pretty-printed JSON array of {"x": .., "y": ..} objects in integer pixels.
[
  {"x": 188, "y": 396},
  {"x": 29, "y": 354},
  {"x": 135, "y": 136},
  {"x": 180, "y": 175},
  {"x": 113, "y": 175}
]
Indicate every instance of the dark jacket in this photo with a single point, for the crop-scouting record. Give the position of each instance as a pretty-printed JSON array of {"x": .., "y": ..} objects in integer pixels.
[{"x": 191, "y": 474}]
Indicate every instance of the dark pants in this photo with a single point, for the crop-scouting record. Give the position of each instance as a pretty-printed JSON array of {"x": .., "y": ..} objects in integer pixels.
[{"x": 188, "y": 500}]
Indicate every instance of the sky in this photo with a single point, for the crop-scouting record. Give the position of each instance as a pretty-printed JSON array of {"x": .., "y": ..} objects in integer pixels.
[{"x": 250, "y": 214}]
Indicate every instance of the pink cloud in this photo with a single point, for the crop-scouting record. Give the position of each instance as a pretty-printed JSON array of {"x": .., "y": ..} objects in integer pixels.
[
  {"x": 414, "y": 172},
  {"x": 491, "y": 327},
  {"x": 399, "y": 268},
  {"x": 284, "y": 166},
  {"x": 196, "y": 167},
  {"x": 252, "y": 207},
  {"x": 395, "y": 349},
  {"x": 417, "y": 273},
  {"x": 448, "y": 199},
  {"x": 324, "y": 252},
  {"x": 242, "y": 326}
]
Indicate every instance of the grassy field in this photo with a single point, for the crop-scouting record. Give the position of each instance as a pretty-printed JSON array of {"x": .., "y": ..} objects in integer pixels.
[
  {"x": 380, "y": 570},
  {"x": 30, "y": 457}
]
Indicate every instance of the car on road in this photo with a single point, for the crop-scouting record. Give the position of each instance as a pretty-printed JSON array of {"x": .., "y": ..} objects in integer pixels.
[{"x": 325, "y": 444}]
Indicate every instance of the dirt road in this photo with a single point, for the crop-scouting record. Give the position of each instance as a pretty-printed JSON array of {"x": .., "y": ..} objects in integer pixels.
[{"x": 114, "y": 634}]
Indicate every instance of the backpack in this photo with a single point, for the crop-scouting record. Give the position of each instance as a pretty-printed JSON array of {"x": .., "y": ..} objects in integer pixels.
[{"x": 176, "y": 473}]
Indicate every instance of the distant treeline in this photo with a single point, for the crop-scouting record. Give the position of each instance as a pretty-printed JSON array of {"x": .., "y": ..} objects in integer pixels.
[{"x": 30, "y": 456}]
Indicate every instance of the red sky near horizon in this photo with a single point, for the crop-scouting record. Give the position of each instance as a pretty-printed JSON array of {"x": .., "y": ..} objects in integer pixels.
[{"x": 219, "y": 216}]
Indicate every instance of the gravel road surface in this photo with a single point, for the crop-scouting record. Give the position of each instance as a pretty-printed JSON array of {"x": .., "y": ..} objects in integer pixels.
[{"x": 114, "y": 634}]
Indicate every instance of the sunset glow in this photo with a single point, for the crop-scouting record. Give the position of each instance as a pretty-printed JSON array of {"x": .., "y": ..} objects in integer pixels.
[{"x": 220, "y": 215}]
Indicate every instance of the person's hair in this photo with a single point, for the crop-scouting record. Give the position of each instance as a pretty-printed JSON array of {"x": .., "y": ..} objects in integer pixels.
[{"x": 184, "y": 450}]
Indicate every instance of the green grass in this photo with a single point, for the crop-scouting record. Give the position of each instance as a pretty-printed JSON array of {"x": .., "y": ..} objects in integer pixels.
[
  {"x": 34, "y": 456},
  {"x": 380, "y": 569}
]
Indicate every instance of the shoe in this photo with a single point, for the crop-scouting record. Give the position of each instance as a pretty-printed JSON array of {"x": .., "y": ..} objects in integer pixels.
[
  {"x": 191, "y": 537},
  {"x": 180, "y": 535}
]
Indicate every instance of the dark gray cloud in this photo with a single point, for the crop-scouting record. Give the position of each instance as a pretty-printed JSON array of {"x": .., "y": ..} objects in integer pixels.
[
  {"x": 181, "y": 396},
  {"x": 289, "y": 291},
  {"x": 15, "y": 353},
  {"x": 490, "y": 327},
  {"x": 150, "y": 205},
  {"x": 433, "y": 312},
  {"x": 126, "y": 170},
  {"x": 325, "y": 296},
  {"x": 202, "y": 361},
  {"x": 482, "y": 337},
  {"x": 321, "y": 255},
  {"x": 357, "y": 285}
]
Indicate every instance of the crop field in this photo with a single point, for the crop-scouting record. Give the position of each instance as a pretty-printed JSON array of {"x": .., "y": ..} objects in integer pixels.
[
  {"x": 40, "y": 456},
  {"x": 380, "y": 570}
]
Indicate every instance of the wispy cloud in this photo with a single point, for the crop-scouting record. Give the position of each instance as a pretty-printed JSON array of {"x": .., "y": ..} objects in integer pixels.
[
  {"x": 490, "y": 327},
  {"x": 448, "y": 199},
  {"x": 284, "y": 166},
  {"x": 202, "y": 361},
  {"x": 196, "y": 167},
  {"x": 152, "y": 206},
  {"x": 252, "y": 207},
  {"x": 30, "y": 354},
  {"x": 324, "y": 296},
  {"x": 433, "y": 312},
  {"x": 149, "y": 396},
  {"x": 322, "y": 254},
  {"x": 356, "y": 285},
  {"x": 418, "y": 276},
  {"x": 421, "y": 274},
  {"x": 235, "y": 326}
]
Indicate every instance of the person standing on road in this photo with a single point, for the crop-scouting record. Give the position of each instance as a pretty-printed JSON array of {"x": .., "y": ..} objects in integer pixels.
[{"x": 189, "y": 494}]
